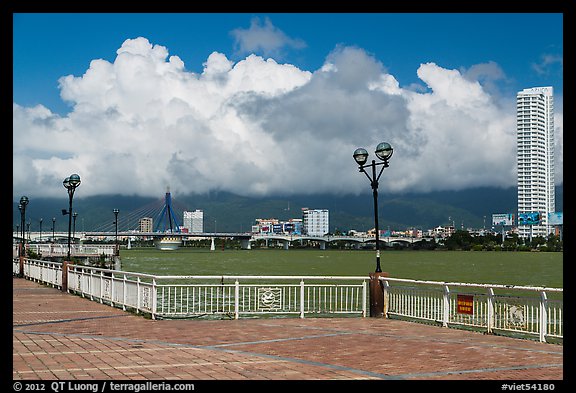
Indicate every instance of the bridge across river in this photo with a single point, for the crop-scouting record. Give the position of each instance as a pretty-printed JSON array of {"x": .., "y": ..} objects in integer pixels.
[{"x": 246, "y": 238}]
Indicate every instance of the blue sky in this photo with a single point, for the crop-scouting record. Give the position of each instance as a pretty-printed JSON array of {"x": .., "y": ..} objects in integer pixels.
[
  {"x": 48, "y": 46},
  {"x": 430, "y": 72}
]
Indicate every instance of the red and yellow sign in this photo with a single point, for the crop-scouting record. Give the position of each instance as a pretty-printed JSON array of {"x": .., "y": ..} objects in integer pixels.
[{"x": 465, "y": 304}]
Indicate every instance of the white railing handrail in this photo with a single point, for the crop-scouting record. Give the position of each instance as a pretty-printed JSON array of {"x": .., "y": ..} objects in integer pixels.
[
  {"x": 460, "y": 284},
  {"x": 244, "y": 277},
  {"x": 219, "y": 277},
  {"x": 113, "y": 271},
  {"x": 304, "y": 277}
]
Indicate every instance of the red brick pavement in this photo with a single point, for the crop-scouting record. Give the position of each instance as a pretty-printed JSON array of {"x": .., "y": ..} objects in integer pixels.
[{"x": 59, "y": 336}]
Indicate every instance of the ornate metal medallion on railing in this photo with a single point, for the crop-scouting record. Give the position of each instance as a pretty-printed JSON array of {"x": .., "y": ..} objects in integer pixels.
[{"x": 269, "y": 299}]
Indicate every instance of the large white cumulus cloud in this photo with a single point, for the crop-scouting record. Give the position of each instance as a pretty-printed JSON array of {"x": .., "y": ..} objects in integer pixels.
[{"x": 258, "y": 127}]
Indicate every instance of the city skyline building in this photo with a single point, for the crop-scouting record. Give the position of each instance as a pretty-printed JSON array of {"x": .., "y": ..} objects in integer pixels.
[
  {"x": 145, "y": 224},
  {"x": 535, "y": 158},
  {"x": 315, "y": 222},
  {"x": 194, "y": 221}
]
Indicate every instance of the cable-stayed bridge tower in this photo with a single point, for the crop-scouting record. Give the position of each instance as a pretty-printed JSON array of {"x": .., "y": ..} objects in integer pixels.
[
  {"x": 169, "y": 225},
  {"x": 167, "y": 218}
]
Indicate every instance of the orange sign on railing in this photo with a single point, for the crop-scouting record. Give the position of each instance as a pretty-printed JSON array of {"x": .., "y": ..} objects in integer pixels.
[{"x": 465, "y": 304}]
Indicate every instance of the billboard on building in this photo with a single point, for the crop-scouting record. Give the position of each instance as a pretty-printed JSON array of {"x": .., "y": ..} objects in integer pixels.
[
  {"x": 532, "y": 218},
  {"x": 505, "y": 219},
  {"x": 555, "y": 218}
]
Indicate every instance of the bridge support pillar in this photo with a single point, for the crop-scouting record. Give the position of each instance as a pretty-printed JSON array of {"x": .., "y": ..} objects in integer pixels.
[
  {"x": 245, "y": 244},
  {"x": 377, "y": 294},
  {"x": 322, "y": 245},
  {"x": 286, "y": 244}
]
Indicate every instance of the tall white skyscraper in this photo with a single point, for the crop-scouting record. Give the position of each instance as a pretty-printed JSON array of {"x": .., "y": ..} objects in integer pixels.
[{"x": 535, "y": 144}]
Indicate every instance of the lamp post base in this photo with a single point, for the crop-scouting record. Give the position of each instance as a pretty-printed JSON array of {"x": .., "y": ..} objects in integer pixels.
[
  {"x": 377, "y": 294},
  {"x": 65, "y": 276}
]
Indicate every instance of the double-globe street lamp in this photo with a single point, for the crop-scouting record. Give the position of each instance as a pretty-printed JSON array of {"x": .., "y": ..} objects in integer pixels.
[
  {"x": 70, "y": 183},
  {"x": 383, "y": 152}
]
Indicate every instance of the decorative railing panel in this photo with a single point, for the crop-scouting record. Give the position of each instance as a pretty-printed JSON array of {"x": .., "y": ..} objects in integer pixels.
[{"x": 493, "y": 308}]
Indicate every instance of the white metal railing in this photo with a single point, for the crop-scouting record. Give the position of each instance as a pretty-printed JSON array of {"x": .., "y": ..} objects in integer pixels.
[
  {"x": 504, "y": 308},
  {"x": 119, "y": 289},
  {"x": 60, "y": 250},
  {"x": 188, "y": 296},
  {"x": 40, "y": 271},
  {"x": 264, "y": 295}
]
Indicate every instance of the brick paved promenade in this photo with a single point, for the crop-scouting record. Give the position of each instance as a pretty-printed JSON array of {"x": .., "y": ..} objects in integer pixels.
[{"x": 61, "y": 336}]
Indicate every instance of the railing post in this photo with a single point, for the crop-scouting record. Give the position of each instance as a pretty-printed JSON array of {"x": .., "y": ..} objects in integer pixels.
[
  {"x": 124, "y": 295},
  {"x": 376, "y": 294},
  {"x": 302, "y": 298},
  {"x": 91, "y": 284},
  {"x": 490, "y": 311},
  {"x": 138, "y": 305},
  {"x": 65, "y": 276},
  {"x": 112, "y": 289},
  {"x": 101, "y": 286},
  {"x": 385, "y": 289},
  {"x": 543, "y": 316},
  {"x": 446, "y": 306},
  {"x": 154, "y": 298},
  {"x": 236, "y": 299},
  {"x": 364, "y": 293}
]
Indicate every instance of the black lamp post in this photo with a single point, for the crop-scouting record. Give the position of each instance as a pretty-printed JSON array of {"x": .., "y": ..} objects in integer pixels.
[
  {"x": 22, "y": 207},
  {"x": 41, "y": 230},
  {"x": 383, "y": 152},
  {"x": 53, "y": 226},
  {"x": 70, "y": 183},
  {"x": 74, "y": 215},
  {"x": 18, "y": 230},
  {"x": 116, "y": 251}
]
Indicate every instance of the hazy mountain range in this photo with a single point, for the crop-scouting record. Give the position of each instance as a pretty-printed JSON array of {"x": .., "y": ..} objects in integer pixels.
[{"x": 226, "y": 212}]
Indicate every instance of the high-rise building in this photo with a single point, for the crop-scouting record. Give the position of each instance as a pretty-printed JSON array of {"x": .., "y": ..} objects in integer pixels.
[
  {"x": 315, "y": 222},
  {"x": 535, "y": 157},
  {"x": 194, "y": 221},
  {"x": 145, "y": 224}
]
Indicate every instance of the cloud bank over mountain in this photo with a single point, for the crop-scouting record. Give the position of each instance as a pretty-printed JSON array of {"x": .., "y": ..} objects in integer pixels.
[{"x": 258, "y": 127}]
